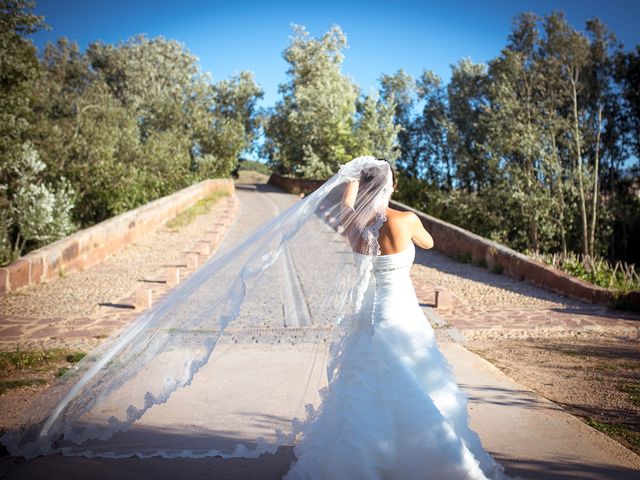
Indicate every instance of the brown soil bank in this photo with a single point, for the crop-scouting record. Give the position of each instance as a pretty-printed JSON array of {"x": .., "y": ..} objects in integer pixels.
[{"x": 596, "y": 379}]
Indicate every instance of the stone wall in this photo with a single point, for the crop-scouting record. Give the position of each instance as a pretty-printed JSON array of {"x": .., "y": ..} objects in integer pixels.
[
  {"x": 466, "y": 246},
  {"x": 91, "y": 245},
  {"x": 294, "y": 185}
]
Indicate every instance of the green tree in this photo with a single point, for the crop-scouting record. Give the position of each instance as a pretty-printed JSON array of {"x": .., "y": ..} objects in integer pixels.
[
  {"x": 627, "y": 74},
  {"x": 208, "y": 125},
  {"x": 519, "y": 135},
  {"x": 516, "y": 151},
  {"x": 375, "y": 132},
  {"x": 432, "y": 129},
  {"x": 233, "y": 126},
  {"x": 399, "y": 89},
  {"x": 602, "y": 107},
  {"x": 32, "y": 211},
  {"x": 129, "y": 123},
  {"x": 310, "y": 131},
  {"x": 84, "y": 133},
  {"x": 567, "y": 58},
  {"x": 467, "y": 97}
]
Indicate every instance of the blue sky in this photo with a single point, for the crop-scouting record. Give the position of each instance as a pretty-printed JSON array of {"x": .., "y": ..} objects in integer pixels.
[{"x": 383, "y": 36}]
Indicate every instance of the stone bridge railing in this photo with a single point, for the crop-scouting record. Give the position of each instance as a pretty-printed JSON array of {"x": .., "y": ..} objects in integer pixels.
[
  {"x": 461, "y": 244},
  {"x": 91, "y": 245}
]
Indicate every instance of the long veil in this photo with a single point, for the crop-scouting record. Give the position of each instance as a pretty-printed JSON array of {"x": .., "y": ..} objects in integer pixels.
[{"x": 232, "y": 362}]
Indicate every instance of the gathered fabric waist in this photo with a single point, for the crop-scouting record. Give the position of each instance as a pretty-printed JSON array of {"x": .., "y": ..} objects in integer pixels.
[
  {"x": 390, "y": 268},
  {"x": 388, "y": 271}
]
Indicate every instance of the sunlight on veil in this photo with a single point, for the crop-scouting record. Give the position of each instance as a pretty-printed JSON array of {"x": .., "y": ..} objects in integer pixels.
[{"x": 231, "y": 362}]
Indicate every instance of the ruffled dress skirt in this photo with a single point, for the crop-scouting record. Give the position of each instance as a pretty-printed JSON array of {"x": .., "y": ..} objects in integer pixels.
[{"x": 393, "y": 410}]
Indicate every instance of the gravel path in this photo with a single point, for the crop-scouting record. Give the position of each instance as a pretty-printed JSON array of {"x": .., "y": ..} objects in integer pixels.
[
  {"x": 486, "y": 305},
  {"x": 479, "y": 287},
  {"x": 79, "y": 309}
]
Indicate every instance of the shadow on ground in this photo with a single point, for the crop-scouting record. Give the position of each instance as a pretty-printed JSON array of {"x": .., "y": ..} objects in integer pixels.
[
  {"x": 506, "y": 397},
  {"x": 57, "y": 467},
  {"x": 265, "y": 467},
  {"x": 152, "y": 439},
  {"x": 564, "y": 468}
]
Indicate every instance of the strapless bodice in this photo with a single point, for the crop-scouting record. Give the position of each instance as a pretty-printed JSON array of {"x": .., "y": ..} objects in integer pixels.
[{"x": 395, "y": 261}]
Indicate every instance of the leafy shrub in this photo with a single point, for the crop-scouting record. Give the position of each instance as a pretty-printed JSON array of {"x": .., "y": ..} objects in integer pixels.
[
  {"x": 37, "y": 213},
  {"x": 254, "y": 165},
  {"x": 596, "y": 270}
]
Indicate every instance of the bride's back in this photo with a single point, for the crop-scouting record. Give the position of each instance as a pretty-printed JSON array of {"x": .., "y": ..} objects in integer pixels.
[{"x": 399, "y": 230}]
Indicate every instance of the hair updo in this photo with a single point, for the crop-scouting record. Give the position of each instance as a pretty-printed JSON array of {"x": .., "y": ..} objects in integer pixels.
[
  {"x": 393, "y": 170},
  {"x": 371, "y": 174}
]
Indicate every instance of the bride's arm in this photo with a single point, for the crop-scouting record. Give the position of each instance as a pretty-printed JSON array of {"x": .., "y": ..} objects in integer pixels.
[
  {"x": 348, "y": 201},
  {"x": 419, "y": 234},
  {"x": 347, "y": 211},
  {"x": 350, "y": 193}
]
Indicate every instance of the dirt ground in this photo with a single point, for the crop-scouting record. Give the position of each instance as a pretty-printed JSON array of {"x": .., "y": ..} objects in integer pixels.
[
  {"x": 596, "y": 379},
  {"x": 19, "y": 385}
]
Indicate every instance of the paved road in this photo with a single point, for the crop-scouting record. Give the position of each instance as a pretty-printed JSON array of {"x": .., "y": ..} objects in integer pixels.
[{"x": 529, "y": 435}]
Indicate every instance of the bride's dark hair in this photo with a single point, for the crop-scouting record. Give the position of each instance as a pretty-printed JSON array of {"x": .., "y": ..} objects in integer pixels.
[
  {"x": 372, "y": 179},
  {"x": 393, "y": 170},
  {"x": 371, "y": 174}
]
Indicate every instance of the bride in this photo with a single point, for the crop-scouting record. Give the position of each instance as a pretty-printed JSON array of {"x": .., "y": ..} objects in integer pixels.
[
  {"x": 394, "y": 410},
  {"x": 224, "y": 363}
]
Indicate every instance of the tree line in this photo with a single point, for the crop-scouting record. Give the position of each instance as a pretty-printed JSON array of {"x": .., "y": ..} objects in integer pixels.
[
  {"x": 536, "y": 149},
  {"x": 88, "y": 135}
]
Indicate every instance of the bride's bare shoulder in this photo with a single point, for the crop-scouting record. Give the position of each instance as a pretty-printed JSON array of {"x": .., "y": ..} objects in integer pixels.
[{"x": 400, "y": 215}]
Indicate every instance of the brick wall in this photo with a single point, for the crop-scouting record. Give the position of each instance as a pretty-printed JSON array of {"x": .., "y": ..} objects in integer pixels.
[
  {"x": 460, "y": 243},
  {"x": 89, "y": 246}
]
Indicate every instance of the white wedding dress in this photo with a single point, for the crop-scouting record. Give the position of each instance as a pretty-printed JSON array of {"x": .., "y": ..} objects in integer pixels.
[{"x": 394, "y": 410}]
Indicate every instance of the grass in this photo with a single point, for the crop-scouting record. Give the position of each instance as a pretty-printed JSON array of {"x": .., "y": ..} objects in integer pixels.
[
  {"x": 633, "y": 390},
  {"x": 630, "y": 366},
  {"x": 25, "y": 362},
  {"x": 619, "y": 276},
  {"x": 571, "y": 353},
  {"x": 34, "y": 359},
  {"x": 6, "y": 385},
  {"x": 75, "y": 357},
  {"x": 605, "y": 366},
  {"x": 187, "y": 216},
  {"x": 615, "y": 430}
]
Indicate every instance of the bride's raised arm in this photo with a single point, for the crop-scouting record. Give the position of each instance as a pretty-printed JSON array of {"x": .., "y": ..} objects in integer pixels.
[
  {"x": 347, "y": 205},
  {"x": 347, "y": 209},
  {"x": 350, "y": 193}
]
